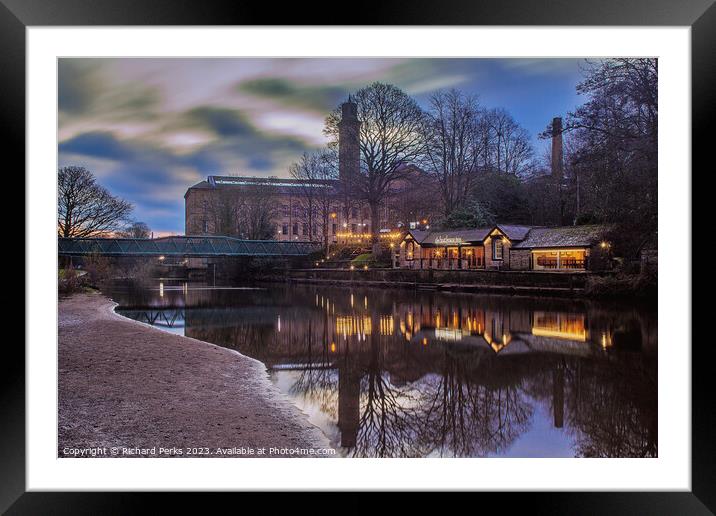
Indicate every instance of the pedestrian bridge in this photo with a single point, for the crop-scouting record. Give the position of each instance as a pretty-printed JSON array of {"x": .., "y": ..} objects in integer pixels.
[{"x": 183, "y": 246}]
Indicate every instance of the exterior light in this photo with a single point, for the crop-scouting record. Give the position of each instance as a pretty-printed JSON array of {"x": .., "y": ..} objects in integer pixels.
[
  {"x": 316, "y": 264},
  {"x": 161, "y": 258},
  {"x": 365, "y": 267},
  {"x": 425, "y": 221},
  {"x": 333, "y": 215},
  {"x": 333, "y": 347},
  {"x": 352, "y": 267},
  {"x": 392, "y": 245},
  {"x": 604, "y": 244}
]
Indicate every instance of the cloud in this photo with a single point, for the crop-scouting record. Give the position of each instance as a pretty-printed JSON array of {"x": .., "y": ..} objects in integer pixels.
[
  {"x": 99, "y": 145},
  {"x": 79, "y": 83},
  {"x": 313, "y": 98}
]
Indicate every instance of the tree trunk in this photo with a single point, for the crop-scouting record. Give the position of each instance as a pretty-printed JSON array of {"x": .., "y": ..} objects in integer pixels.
[{"x": 375, "y": 228}]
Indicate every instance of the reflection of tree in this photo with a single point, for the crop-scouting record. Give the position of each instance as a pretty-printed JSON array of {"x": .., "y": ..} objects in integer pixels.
[
  {"x": 317, "y": 381},
  {"x": 616, "y": 412},
  {"x": 464, "y": 417},
  {"x": 388, "y": 425}
]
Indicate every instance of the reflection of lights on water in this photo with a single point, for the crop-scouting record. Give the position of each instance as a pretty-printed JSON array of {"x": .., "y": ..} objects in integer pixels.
[
  {"x": 333, "y": 347},
  {"x": 365, "y": 302},
  {"x": 606, "y": 340},
  {"x": 161, "y": 289},
  {"x": 425, "y": 341},
  {"x": 278, "y": 324},
  {"x": 351, "y": 300}
]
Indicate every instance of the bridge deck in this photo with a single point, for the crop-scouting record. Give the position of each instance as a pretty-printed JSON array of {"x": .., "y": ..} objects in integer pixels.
[{"x": 184, "y": 246}]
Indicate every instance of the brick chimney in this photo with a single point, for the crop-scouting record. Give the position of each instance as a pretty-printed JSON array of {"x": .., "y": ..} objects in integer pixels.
[
  {"x": 348, "y": 141},
  {"x": 557, "y": 152}
]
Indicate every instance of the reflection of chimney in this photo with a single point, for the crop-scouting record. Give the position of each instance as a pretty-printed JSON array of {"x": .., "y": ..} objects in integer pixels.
[
  {"x": 348, "y": 141},
  {"x": 348, "y": 404},
  {"x": 557, "y": 153}
]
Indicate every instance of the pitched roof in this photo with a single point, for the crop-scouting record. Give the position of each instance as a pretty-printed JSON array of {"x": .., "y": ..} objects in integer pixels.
[
  {"x": 418, "y": 234},
  {"x": 515, "y": 233},
  {"x": 566, "y": 236}
]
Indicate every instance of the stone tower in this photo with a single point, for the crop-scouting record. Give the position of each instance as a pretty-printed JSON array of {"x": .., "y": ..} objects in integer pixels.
[
  {"x": 348, "y": 141},
  {"x": 557, "y": 152}
]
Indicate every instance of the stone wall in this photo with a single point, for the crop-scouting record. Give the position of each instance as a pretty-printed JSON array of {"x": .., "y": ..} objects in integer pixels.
[
  {"x": 466, "y": 277},
  {"x": 520, "y": 259},
  {"x": 490, "y": 262}
]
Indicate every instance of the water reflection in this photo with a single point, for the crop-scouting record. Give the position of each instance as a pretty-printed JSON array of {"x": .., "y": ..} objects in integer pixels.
[{"x": 410, "y": 374}]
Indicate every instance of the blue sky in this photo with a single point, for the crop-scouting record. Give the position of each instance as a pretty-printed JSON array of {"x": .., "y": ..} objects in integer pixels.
[{"x": 150, "y": 128}]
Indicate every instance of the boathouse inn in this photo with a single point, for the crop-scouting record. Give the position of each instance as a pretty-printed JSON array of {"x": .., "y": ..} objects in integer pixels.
[{"x": 508, "y": 247}]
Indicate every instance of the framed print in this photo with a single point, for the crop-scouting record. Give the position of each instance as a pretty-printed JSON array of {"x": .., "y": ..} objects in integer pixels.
[{"x": 405, "y": 252}]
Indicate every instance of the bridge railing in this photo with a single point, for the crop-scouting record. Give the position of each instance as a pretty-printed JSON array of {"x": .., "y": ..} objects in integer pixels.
[{"x": 187, "y": 246}]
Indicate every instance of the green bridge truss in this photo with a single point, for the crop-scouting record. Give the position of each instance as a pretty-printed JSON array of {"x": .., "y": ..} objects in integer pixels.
[{"x": 184, "y": 246}]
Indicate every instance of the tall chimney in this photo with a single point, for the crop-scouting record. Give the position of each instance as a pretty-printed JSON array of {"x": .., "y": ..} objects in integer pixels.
[
  {"x": 348, "y": 141},
  {"x": 557, "y": 153}
]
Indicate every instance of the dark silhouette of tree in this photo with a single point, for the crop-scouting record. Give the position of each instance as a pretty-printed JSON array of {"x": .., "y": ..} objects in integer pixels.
[
  {"x": 318, "y": 197},
  {"x": 453, "y": 145},
  {"x": 135, "y": 230},
  {"x": 85, "y": 208}
]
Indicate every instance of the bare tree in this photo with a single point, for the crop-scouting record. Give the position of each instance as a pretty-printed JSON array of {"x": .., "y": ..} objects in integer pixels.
[
  {"x": 318, "y": 196},
  {"x": 86, "y": 209},
  {"x": 508, "y": 143},
  {"x": 257, "y": 212},
  {"x": 135, "y": 230},
  {"x": 390, "y": 138},
  {"x": 453, "y": 145}
]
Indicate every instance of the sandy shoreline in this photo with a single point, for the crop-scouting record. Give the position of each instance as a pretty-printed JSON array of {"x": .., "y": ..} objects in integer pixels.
[{"x": 124, "y": 384}]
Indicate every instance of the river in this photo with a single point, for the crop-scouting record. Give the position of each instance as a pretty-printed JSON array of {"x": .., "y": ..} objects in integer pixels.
[{"x": 403, "y": 373}]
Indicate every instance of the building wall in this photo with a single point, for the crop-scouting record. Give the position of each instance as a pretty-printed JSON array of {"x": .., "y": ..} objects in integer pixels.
[
  {"x": 290, "y": 217},
  {"x": 490, "y": 262},
  {"x": 520, "y": 259}
]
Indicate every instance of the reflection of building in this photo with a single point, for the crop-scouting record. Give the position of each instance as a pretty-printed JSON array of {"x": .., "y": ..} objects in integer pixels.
[
  {"x": 559, "y": 325},
  {"x": 299, "y": 208},
  {"x": 569, "y": 248}
]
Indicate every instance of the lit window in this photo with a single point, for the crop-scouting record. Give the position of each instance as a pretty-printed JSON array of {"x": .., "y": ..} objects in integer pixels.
[{"x": 497, "y": 248}]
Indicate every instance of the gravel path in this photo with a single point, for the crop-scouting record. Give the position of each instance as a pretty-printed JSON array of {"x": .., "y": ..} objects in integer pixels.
[{"x": 128, "y": 386}]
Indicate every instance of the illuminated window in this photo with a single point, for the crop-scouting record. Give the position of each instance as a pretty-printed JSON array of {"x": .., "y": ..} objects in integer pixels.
[{"x": 497, "y": 248}]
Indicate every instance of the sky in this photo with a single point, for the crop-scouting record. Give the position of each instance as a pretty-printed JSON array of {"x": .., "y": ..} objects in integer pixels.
[{"x": 149, "y": 128}]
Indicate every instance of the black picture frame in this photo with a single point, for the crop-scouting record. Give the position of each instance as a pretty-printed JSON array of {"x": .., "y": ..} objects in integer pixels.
[{"x": 17, "y": 15}]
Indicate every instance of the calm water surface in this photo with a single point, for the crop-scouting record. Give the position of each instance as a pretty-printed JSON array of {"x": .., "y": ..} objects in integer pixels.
[{"x": 398, "y": 373}]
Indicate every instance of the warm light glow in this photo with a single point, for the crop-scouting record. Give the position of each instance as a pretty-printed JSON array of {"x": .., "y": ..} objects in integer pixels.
[
  {"x": 352, "y": 267},
  {"x": 333, "y": 347},
  {"x": 333, "y": 215},
  {"x": 161, "y": 258},
  {"x": 365, "y": 267}
]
